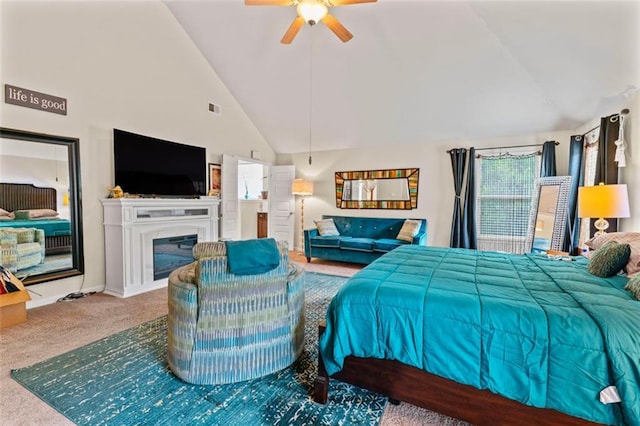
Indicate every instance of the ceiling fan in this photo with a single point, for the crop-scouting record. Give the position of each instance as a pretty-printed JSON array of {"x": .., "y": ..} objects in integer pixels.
[{"x": 311, "y": 11}]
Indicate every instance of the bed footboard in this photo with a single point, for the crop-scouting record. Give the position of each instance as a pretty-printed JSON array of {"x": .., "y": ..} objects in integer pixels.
[{"x": 401, "y": 382}]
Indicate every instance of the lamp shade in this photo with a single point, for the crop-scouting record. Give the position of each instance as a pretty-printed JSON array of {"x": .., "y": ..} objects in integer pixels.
[
  {"x": 603, "y": 201},
  {"x": 302, "y": 187}
]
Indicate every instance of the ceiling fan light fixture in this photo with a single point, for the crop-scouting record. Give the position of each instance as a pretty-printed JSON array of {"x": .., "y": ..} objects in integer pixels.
[{"x": 312, "y": 11}]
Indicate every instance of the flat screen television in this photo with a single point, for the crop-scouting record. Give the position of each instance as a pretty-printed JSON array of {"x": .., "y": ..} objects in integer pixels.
[{"x": 152, "y": 167}]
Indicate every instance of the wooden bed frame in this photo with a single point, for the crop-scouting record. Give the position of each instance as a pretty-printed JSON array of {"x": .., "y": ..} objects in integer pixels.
[
  {"x": 24, "y": 196},
  {"x": 401, "y": 382}
]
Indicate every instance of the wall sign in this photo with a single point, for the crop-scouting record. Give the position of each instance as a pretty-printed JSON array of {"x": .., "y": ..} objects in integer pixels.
[{"x": 36, "y": 100}]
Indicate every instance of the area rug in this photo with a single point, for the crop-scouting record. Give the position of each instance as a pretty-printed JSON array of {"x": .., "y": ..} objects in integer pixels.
[{"x": 124, "y": 379}]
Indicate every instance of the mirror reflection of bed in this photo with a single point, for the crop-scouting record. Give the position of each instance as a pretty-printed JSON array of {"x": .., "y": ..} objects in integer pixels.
[
  {"x": 38, "y": 188},
  {"x": 35, "y": 207}
]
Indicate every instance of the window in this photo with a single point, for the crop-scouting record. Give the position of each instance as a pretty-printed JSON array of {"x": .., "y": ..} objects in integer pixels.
[{"x": 505, "y": 187}]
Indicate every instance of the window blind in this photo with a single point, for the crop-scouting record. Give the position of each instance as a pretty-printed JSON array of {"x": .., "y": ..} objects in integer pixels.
[{"x": 505, "y": 188}]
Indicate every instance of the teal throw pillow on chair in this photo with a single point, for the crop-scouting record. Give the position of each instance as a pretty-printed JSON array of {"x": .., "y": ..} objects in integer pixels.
[{"x": 609, "y": 259}]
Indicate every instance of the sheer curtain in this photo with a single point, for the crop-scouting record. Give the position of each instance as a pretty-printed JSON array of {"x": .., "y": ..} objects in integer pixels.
[
  {"x": 590, "y": 168},
  {"x": 505, "y": 187}
]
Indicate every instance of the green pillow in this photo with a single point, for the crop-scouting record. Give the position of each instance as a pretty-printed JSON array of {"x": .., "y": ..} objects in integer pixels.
[
  {"x": 609, "y": 259},
  {"x": 633, "y": 286}
]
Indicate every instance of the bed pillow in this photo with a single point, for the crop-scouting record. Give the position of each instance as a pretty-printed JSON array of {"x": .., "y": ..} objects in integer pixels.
[
  {"x": 36, "y": 214},
  {"x": 633, "y": 287},
  {"x": 5, "y": 215},
  {"x": 326, "y": 227},
  {"x": 609, "y": 259},
  {"x": 631, "y": 238},
  {"x": 410, "y": 229}
]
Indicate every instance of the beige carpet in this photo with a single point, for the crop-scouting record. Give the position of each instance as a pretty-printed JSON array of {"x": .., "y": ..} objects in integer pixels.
[{"x": 55, "y": 329}]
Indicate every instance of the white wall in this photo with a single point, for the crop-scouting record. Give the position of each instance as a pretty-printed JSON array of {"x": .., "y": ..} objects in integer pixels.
[
  {"x": 435, "y": 191},
  {"x": 127, "y": 65}
]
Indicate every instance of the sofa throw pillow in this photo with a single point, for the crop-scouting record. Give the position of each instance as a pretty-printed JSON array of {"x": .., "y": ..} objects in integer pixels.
[
  {"x": 410, "y": 229},
  {"x": 609, "y": 259},
  {"x": 631, "y": 238},
  {"x": 326, "y": 227},
  {"x": 633, "y": 287}
]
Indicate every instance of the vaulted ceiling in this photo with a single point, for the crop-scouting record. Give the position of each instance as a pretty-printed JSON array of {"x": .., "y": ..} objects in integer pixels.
[{"x": 420, "y": 71}]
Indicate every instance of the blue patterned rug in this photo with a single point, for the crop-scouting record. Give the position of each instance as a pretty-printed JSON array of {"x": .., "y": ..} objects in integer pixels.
[{"x": 124, "y": 380}]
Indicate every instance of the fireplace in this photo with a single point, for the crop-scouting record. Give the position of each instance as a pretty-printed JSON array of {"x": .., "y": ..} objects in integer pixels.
[
  {"x": 172, "y": 252},
  {"x": 148, "y": 238}
]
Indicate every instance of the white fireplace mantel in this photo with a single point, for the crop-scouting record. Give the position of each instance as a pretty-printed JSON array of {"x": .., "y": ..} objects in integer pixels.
[{"x": 131, "y": 225}]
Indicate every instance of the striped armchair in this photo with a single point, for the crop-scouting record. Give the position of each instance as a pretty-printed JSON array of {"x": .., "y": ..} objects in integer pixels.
[
  {"x": 226, "y": 328},
  {"x": 21, "y": 248}
]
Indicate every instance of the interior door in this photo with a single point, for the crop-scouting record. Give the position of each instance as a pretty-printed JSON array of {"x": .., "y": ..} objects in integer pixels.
[
  {"x": 281, "y": 203},
  {"x": 229, "y": 211}
]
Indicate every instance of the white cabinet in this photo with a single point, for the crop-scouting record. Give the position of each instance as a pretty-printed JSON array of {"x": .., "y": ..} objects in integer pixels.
[{"x": 135, "y": 230}]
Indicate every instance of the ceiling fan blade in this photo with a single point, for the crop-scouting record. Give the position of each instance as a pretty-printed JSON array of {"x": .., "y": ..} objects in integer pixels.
[
  {"x": 291, "y": 33},
  {"x": 268, "y": 2},
  {"x": 348, "y": 2},
  {"x": 337, "y": 28}
]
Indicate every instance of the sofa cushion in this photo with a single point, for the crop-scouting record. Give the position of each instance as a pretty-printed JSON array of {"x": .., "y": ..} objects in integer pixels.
[
  {"x": 326, "y": 241},
  {"x": 386, "y": 244},
  {"x": 362, "y": 244}
]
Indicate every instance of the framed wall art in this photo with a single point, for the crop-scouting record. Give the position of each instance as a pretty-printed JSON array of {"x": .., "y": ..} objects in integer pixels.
[{"x": 215, "y": 180}]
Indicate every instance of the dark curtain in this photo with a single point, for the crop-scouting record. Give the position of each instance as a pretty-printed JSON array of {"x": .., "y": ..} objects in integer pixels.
[
  {"x": 548, "y": 163},
  {"x": 469, "y": 237},
  {"x": 458, "y": 158},
  {"x": 606, "y": 167},
  {"x": 576, "y": 171}
]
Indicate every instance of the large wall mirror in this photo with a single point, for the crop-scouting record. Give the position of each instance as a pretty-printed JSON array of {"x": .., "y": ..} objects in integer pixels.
[
  {"x": 378, "y": 189},
  {"x": 548, "y": 214},
  {"x": 40, "y": 198}
]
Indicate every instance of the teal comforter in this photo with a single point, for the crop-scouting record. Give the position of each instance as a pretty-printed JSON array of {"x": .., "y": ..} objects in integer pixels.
[
  {"x": 540, "y": 331},
  {"x": 51, "y": 227}
]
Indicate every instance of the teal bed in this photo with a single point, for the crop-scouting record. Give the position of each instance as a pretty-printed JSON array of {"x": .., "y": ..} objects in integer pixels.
[{"x": 487, "y": 337}]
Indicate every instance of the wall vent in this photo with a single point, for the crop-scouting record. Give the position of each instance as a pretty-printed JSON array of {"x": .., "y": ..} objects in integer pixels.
[{"x": 215, "y": 108}]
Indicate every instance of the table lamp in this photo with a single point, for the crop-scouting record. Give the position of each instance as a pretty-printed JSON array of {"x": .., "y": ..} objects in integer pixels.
[
  {"x": 302, "y": 187},
  {"x": 603, "y": 201}
]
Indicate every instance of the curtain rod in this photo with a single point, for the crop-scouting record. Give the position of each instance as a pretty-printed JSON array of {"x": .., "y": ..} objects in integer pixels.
[
  {"x": 507, "y": 147},
  {"x": 622, "y": 113},
  {"x": 589, "y": 131}
]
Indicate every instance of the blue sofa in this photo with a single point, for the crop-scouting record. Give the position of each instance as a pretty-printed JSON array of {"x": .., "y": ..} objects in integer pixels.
[{"x": 361, "y": 239}]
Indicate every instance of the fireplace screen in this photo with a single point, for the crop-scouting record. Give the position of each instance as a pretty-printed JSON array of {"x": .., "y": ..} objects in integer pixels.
[{"x": 171, "y": 253}]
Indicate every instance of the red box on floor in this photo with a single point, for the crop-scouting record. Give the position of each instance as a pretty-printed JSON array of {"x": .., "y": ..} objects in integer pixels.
[{"x": 13, "y": 307}]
